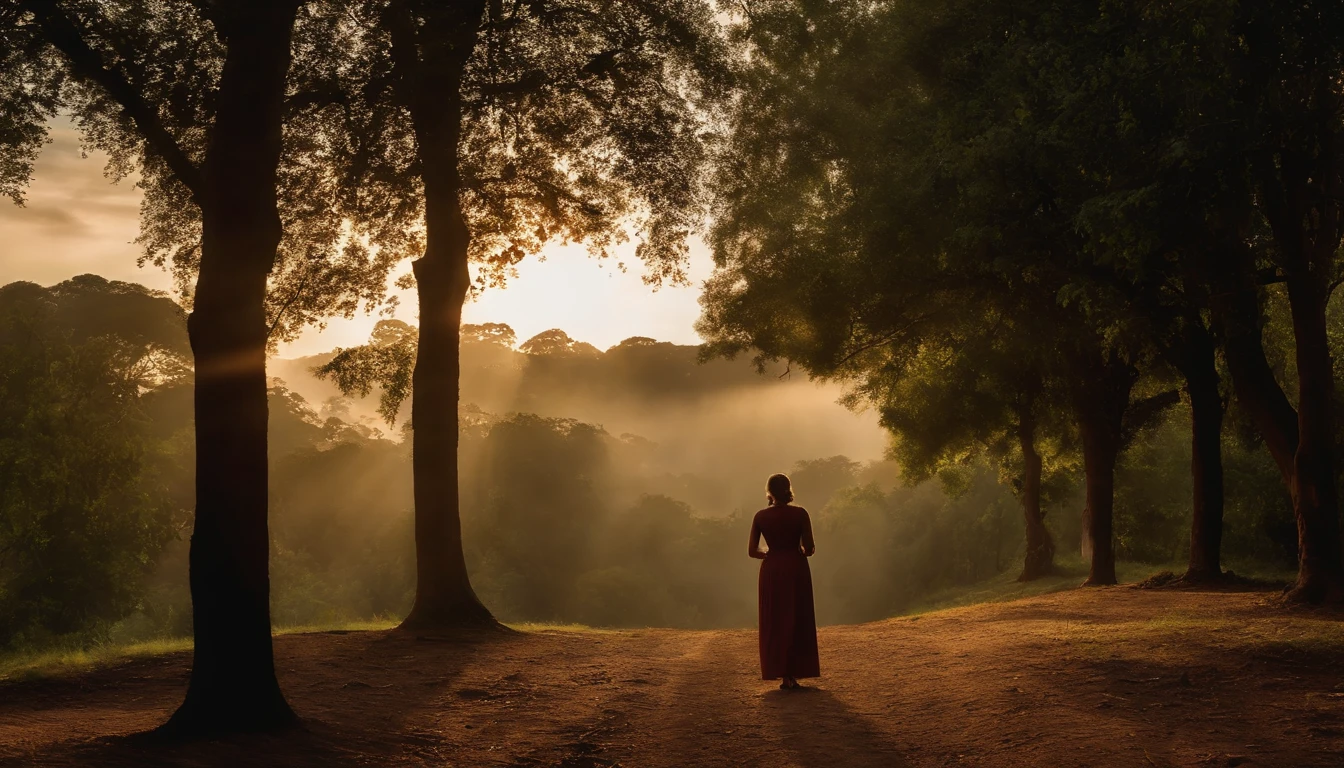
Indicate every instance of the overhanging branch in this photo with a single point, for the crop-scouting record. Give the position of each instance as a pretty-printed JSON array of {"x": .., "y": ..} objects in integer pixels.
[{"x": 86, "y": 62}]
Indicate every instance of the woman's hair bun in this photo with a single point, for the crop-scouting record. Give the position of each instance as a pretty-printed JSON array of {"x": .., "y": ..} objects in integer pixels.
[{"x": 780, "y": 488}]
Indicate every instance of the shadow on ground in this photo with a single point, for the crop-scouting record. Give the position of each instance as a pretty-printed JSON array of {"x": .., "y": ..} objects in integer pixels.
[{"x": 816, "y": 728}]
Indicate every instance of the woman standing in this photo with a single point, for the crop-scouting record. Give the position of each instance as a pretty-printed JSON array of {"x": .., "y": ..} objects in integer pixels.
[{"x": 788, "y": 623}]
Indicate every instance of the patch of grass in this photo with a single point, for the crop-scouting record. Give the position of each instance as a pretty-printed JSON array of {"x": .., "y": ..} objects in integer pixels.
[
  {"x": 1181, "y": 632},
  {"x": 1068, "y": 575},
  {"x": 1177, "y": 622},
  {"x": 67, "y": 661},
  {"x": 1305, "y": 636},
  {"x": 998, "y": 589},
  {"x": 533, "y": 626},
  {"x": 370, "y": 625}
]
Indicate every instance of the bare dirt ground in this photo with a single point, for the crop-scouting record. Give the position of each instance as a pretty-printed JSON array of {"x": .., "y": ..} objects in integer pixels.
[{"x": 1098, "y": 677}]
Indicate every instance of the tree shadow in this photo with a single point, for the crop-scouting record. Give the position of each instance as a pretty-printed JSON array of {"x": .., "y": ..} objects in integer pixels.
[
  {"x": 1266, "y": 705},
  {"x": 307, "y": 744},
  {"x": 357, "y": 696},
  {"x": 818, "y": 729}
]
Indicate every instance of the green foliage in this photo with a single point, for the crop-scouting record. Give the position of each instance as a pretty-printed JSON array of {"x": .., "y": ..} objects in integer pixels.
[
  {"x": 386, "y": 362},
  {"x": 581, "y": 121},
  {"x": 498, "y": 334},
  {"x": 1153, "y": 489},
  {"x": 890, "y": 547},
  {"x": 84, "y": 512},
  {"x": 29, "y": 97},
  {"x": 1152, "y": 499},
  {"x": 541, "y": 486},
  {"x": 146, "y": 95},
  {"x": 556, "y": 342},
  {"x": 822, "y": 478}
]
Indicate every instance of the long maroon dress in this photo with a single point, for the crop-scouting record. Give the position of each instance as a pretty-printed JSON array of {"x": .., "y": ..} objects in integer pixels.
[{"x": 788, "y": 623}]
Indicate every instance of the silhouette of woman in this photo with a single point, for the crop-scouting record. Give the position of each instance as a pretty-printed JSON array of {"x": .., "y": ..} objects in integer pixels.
[{"x": 788, "y": 623}]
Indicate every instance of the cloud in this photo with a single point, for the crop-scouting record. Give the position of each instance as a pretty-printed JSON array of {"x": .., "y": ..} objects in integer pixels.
[
  {"x": 50, "y": 220},
  {"x": 75, "y": 220}
]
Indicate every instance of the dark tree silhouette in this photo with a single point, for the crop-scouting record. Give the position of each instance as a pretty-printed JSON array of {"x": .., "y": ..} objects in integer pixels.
[
  {"x": 207, "y": 132},
  {"x": 527, "y": 122},
  {"x": 195, "y": 98},
  {"x": 918, "y": 272}
]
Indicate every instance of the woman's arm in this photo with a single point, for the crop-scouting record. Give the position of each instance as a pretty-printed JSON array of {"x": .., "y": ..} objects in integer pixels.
[
  {"x": 809, "y": 545},
  {"x": 754, "y": 545}
]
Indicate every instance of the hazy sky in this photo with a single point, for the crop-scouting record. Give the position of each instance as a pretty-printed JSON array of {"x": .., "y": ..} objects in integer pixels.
[{"x": 76, "y": 221}]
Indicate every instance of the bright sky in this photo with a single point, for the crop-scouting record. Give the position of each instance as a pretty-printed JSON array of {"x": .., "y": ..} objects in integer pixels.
[{"x": 76, "y": 221}]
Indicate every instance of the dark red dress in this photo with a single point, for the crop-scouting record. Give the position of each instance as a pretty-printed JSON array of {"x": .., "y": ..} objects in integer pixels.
[{"x": 788, "y": 623}]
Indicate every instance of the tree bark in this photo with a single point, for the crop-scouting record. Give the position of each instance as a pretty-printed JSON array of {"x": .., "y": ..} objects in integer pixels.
[
  {"x": 1206, "y": 457},
  {"x": 1300, "y": 441},
  {"x": 1300, "y": 191},
  {"x": 1100, "y": 392},
  {"x": 430, "y": 59},
  {"x": 1040, "y": 558},
  {"x": 1240, "y": 323},
  {"x": 1319, "y": 574},
  {"x": 233, "y": 685}
]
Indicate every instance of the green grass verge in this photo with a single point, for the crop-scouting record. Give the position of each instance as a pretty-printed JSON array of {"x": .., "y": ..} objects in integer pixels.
[
  {"x": 532, "y": 626},
  {"x": 74, "y": 660},
  {"x": 64, "y": 662},
  {"x": 1005, "y": 586},
  {"x": 1069, "y": 573}
]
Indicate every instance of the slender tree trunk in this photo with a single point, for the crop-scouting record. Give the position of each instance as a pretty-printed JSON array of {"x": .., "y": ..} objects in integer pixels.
[
  {"x": 443, "y": 595},
  {"x": 1206, "y": 454},
  {"x": 1040, "y": 558},
  {"x": 1313, "y": 487},
  {"x": 432, "y": 58},
  {"x": 1100, "y": 396},
  {"x": 1100, "y": 450},
  {"x": 233, "y": 685}
]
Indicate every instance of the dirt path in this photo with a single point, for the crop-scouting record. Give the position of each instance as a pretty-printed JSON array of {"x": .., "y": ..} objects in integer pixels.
[{"x": 1109, "y": 677}]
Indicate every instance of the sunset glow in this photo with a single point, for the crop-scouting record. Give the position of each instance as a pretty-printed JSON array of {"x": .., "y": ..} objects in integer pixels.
[{"x": 77, "y": 221}]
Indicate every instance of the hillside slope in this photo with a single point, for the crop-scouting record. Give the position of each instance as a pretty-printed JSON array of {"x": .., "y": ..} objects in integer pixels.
[{"x": 1084, "y": 678}]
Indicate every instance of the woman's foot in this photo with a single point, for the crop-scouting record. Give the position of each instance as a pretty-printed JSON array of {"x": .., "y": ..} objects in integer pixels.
[{"x": 789, "y": 684}]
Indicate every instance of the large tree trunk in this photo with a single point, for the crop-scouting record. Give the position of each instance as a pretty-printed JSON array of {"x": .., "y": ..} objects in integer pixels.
[
  {"x": 1240, "y": 322},
  {"x": 1206, "y": 454},
  {"x": 1300, "y": 441},
  {"x": 1313, "y": 487},
  {"x": 1040, "y": 558},
  {"x": 233, "y": 685},
  {"x": 1101, "y": 390},
  {"x": 1302, "y": 198},
  {"x": 431, "y": 58},
  {"x": 443, "y": 593}
]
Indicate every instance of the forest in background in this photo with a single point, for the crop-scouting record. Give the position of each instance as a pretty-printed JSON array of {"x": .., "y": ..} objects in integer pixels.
[{"x": 605, "y": 488}]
